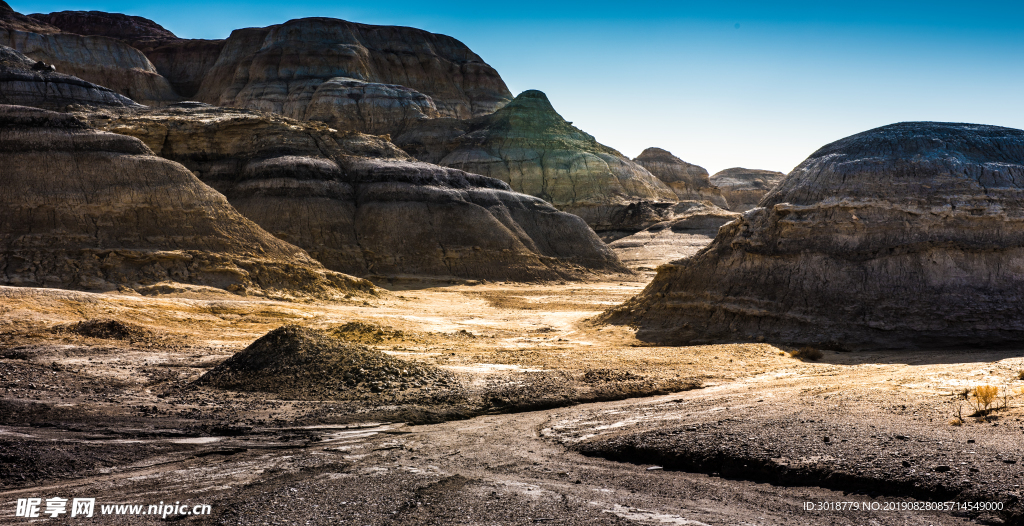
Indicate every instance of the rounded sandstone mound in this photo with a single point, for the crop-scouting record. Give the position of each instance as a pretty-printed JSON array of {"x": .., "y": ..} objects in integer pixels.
[
  {"x": 308, "y": 364},
  {"x": 905, "y": 236},
  {"x": 27, "y": 82},
  {"x": 743, "y": 188},
  {"x": 531, "y": 147},
  {"x": 92, "y": 210},
  {"x": 688, "y": 181},
  {"x": 362, "y": 206}
]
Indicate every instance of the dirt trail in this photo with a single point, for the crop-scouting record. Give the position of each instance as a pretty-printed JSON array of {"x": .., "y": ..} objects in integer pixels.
[
  {"x": 132, "y": 427},
  {"x": 487, "y": 470}
]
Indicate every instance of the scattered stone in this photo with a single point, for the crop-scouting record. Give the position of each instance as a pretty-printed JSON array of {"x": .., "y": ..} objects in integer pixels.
[{"x": 105, "y": 329}]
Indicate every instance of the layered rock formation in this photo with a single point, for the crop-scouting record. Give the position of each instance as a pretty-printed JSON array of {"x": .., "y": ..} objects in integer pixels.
[
  {"x": 689, "y": 181},
  {"x": 374, "y": 79},
  {"x": 290, "y": 67},
  {"x": 183, "y": 62},
  {"x": 530, "y": 146},
  {"x": 24, "y": 81},
  {"x": 360, "y": 205},
  {"x": 126, "y": 28},
  {"x": 693, "y": 225},
  {"x": 12, "y": 20},
  {"x": 910, "y": 235},
  {"x": 100, "y": 60},
  {"x": 368, "y": 107},
  {"x": 743, "y": 188},
  {"x": 93, "y": 210}
]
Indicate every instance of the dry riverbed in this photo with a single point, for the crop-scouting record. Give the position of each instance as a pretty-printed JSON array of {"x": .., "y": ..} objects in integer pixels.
[{"x": 544, "y": 417}]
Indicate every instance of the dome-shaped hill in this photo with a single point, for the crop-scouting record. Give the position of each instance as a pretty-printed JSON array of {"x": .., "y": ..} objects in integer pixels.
[
  {"x": 26, "y": 82},
  {"x": 91, "y": 210},
  {"x": 362, "y": 206},
  {"x": 531, "y": 147},
  {"x": 688, "y": 181},
  {"x": 744, "y": 187},
  {"x": 909, "y": 235}
]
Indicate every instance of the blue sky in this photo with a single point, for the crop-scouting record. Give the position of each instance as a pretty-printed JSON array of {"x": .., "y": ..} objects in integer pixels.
[{"x": 720, "y": 84}]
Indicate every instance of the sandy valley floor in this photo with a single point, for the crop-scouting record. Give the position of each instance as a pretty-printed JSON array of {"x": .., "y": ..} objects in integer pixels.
[{"x": 553, "y": 419}]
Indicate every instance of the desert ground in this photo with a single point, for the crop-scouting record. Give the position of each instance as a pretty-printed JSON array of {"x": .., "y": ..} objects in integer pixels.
[{"x": 547, "y": 417}]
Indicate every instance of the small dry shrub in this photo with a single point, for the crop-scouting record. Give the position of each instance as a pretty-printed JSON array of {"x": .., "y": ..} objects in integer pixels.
[
  {"x": 807, "y": 353},
  {"x": 982, "y": 397},
  {"x": 1020, "y": 374}
]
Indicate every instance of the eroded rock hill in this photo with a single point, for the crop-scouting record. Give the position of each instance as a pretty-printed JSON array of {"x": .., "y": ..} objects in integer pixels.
[
  {"x": 24, "y": 81},
  {"x": 743, "y": 188},
  {"x": 98, "y": 23},
  {"x": 689, "y": 181},
  {"x": 362, "y": 206},
  {"x": 11, "y": 19},
  {"x": 352, "y": 76},
  {"x": 531, "y": 147},
  {"x": 377, "y": 79},
  {"x": 92, "y": 210},
  {"x": 183, "y": 62},
  {"x": 691, "y": 227},
  {"x": 909, "y": 235},
  {"x": 102, "y": 60}
]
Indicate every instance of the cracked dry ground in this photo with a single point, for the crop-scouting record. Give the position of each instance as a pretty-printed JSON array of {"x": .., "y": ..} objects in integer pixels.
[{"x": 552, "y": 421}]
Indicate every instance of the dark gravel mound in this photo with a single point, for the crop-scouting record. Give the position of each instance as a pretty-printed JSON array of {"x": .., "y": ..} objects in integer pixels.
[
  {"x": 105, "y": 329},
  {"x": 309, "y": 364},
  {"x": 362, "y": 332}
]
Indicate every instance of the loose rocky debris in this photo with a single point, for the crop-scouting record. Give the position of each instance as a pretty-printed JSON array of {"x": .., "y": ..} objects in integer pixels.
[
  {"x": 106, "y": 329},
  {"x": 362, "y": 332},
  {"x": 837, "y": 455},
  {"x": 309, "y": 364}
]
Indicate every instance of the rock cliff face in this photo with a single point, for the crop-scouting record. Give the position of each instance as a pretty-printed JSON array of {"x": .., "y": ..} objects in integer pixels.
[
  {"x": 743, "y": 188},
  {"x": 909, "y": 235},
  {"x": 24, "y": 82},
  {"x": 100, "y": 60},
  {"x": 360, "y": 205},
  {"x": 183, "y": 62},
  {"x": 291, "y": 67},
  {"x": 126, "y": 28},
  {"x": 91, "y": 210},
  {"x": 374, "y": 79},
  {"x": 693, "y": 225},
  {"x": 12, "y": 20},
  {"x": 531, "y": 147},
  {"x": 689, "y": 181}
]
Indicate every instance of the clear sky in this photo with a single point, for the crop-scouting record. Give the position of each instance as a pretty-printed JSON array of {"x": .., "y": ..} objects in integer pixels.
[{"x": 720, "y": 84}]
